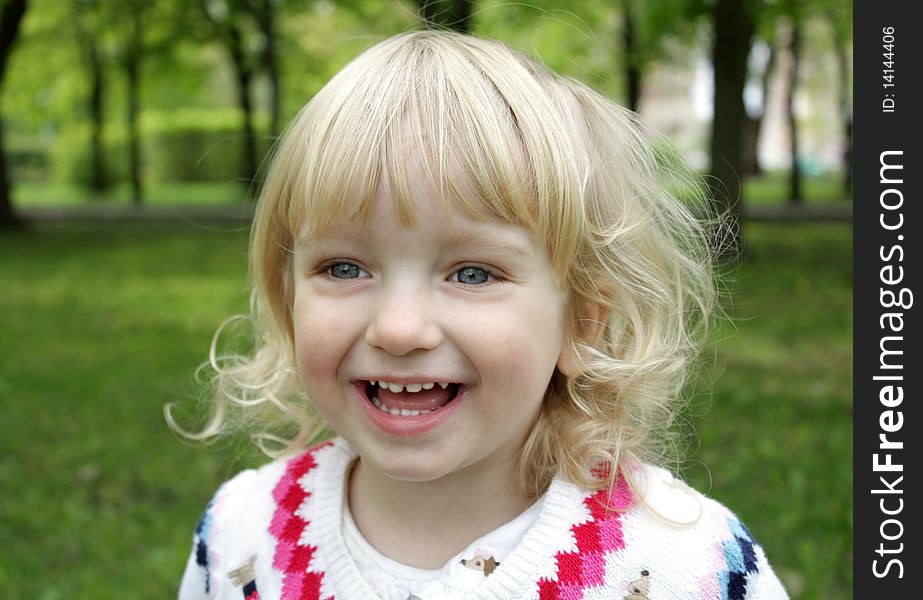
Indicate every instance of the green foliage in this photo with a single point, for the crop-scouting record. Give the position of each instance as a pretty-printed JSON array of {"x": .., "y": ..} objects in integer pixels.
[
  {"x": 188, "y": 146},
  {"x": 27, "y": 162},
  {"x": 185, "y": 67},
  {"x": 193, "y": 146},
  {"x": 101, "y": 325},
  {"x": 578, "y": 40},
  {"x": 70, "y": 155},
  {"x": 191, "y": 127}
]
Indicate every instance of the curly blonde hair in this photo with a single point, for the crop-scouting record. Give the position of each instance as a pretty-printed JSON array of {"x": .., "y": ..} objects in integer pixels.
[{"x": 534, "y": 149}]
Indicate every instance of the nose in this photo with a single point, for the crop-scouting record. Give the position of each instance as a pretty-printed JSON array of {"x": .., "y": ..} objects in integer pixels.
[{"x": 403, "y": 322}]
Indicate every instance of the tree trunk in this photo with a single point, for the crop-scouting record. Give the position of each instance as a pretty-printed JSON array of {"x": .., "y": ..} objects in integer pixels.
[
  {"x": 229, "y": 30},
  {"x": 89, "y": 47},
  {"x": 630, "y": 46},
  {"x": 134, "y": 49},
  {"x": 99, "y": 180},
  {"x": 733, "y": 33},
  {"x": 795, "y": 193},
  {"x": 446, "y": 14},
  {"x": 8, "y": 217},
  {"x": 266, "y": 21},
  {"x": 750, "y": 146},
  {"x": 11, "y": 14},
  {"x": 244, "y": 76},
  {"x": 842, "y": 63}
]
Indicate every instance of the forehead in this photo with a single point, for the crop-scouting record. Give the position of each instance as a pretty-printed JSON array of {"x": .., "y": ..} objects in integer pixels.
[{"x": 453, "y": 221}]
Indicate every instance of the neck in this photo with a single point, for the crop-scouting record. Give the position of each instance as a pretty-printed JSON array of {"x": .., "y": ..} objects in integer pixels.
[{"x": 440, "y": 518}]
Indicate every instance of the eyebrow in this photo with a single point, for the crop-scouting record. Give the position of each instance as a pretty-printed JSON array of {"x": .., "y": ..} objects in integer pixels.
[
  {"x": 489, "y": 243},
  {"x": 469, "y": 236},
  {"x": 344, "y": 233}
]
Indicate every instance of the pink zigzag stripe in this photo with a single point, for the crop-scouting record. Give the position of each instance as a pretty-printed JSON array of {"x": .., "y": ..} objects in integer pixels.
[
  {"x": 292, "y": 558},
  {"x": 597, "y": 538}
]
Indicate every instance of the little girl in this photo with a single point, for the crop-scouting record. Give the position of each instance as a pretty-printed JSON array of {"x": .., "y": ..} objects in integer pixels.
[{"x": 467, "y": 271}]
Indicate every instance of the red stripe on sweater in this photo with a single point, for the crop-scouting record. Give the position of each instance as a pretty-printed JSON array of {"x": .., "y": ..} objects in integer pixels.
[
  {"x": 596, "y": 539},
  {"x": 292, "y": 558}
]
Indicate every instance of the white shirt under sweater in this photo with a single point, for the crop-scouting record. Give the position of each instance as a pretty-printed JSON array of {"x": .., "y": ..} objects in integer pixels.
[
  {"x": 391, "y": 580},
  {"x": 278, "y": 532}
]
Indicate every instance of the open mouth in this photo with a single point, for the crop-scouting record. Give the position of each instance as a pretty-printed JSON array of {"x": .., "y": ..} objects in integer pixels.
[{"x": 410, "y": 399}]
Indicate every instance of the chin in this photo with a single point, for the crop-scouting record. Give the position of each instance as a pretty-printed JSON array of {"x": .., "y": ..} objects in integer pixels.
[{"x": 408, "y": 465}]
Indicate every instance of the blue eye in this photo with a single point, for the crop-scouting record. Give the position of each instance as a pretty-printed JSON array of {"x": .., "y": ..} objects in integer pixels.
[
  {"x": 344, "y": 270},
  {"x": 472, "y": 275}
]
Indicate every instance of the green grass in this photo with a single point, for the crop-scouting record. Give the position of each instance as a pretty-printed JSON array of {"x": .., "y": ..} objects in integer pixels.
[
  {"x": 776, "y": 434},
  {"x": 772, "y": 188},
  {"x": 100, "y": 325}
]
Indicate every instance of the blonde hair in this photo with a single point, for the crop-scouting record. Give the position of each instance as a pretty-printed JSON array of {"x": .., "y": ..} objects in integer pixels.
[{"x": 534, "y": 149}]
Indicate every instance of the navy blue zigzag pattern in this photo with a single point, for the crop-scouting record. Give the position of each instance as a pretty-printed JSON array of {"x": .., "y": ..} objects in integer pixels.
[{"x": 741, "y": 558}]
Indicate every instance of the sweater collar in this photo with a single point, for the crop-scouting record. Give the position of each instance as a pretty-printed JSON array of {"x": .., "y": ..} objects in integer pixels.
[{"x": 562, "y": 506}]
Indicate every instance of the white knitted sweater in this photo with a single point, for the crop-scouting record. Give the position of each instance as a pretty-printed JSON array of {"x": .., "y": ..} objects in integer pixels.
[{"x": 275, "y": 532}]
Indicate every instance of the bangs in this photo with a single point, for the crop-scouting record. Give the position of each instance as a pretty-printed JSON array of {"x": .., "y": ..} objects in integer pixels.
[{"x": 472, "y": 126}]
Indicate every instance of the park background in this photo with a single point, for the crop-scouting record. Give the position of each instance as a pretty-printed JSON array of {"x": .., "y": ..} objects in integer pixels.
[{"x": 132, "y": 136}]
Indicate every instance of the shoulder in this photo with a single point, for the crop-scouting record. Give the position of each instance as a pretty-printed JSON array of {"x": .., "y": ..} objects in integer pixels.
[
  {"x": 659, "y": 538},
  {"x": 248, "y": 516},
  {"x": 694, "y": 543},
  {"x": 244, "y": 498}
]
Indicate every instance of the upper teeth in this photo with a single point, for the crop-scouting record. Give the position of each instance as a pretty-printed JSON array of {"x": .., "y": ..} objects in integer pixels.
[{"x": 410, "y": 387}]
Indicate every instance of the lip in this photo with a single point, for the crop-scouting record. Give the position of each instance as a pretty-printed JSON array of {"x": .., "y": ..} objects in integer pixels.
[
  {"x": 406, "y": 426},
  {"x": 404, "y": 380}
]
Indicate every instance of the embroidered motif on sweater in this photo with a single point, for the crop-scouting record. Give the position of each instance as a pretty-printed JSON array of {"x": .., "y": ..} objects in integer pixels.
[
  {"x": 596, "y": 539},
  {"x": 637, "y": 589},
  {"x": 482, "y": 561},
  {"x": 291, "y": 557},
  {"x": 245, "y": 577}
]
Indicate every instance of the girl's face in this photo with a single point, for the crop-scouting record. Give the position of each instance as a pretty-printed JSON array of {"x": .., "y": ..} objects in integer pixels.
[{"x": 462, "y": 319}]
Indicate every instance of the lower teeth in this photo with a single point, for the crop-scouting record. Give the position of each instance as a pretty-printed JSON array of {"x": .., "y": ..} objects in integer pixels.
[{"x": 398, "y": 412}]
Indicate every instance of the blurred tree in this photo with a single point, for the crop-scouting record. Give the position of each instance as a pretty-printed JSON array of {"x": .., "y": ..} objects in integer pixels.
[
  {"x": 734, "y": 23},
  {"x": 791, "y": 18},
  {"x": 795, "y": 14},
  {"x": 227, "y": 20},
  {"x": 132, "y": 52},
  {"x": 630, "y": 44},
  {"x": 263, "y": 12},
  {"x": 124, "y": 23},
  {"x": 795, "y": 195},
  {"x": 89, "y": 20},
  {"x": 447, "y": 14},
  {"x": 839, "y": 15},
  {"x": 245, "y": 28},
  {"x": 11, "y": 13},
  {"x": 753, "y": 125},
  {"x": 647, "y": 29}
]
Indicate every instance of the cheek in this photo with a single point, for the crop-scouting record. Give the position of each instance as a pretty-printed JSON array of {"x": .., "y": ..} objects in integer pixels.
[
  {"x": 323, "y": 332},
  {"x": 543, "y": 327},
  {"x": 522, "y": 347}
]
